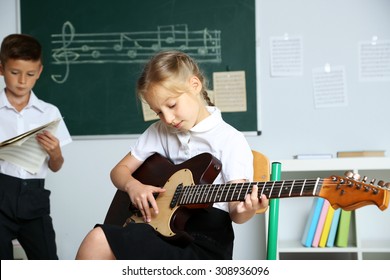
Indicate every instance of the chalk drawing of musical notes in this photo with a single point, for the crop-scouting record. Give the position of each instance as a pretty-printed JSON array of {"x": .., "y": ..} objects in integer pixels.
[
  {"x": 172, "y": 35},
  {"x": 71, "y": 48}
]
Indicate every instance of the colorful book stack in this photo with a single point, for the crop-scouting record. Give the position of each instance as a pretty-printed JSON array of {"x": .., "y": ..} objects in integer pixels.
[{"x": 326, "y": 227}]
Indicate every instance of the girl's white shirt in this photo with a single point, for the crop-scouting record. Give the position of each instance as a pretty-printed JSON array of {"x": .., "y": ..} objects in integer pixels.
[{"x": 212, "y": 135}]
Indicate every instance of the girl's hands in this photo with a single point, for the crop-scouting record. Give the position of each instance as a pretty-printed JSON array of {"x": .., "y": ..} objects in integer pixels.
[
  {"x": 242, "y": 211},
  {"x": 142, "y": 197},
  {"x": 252, "y": 202}
]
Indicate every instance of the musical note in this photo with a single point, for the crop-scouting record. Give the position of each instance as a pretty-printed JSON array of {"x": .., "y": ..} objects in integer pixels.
[
  {"x": 172, "y": 35},
  {"x": 70, "y": 47},
  {"x": 208, "y": 40},
  {"x": 125, "y": 38}
]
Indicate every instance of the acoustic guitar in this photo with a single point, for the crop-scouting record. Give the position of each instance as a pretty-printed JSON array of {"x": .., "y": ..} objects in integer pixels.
[{"x": 190, "y": 185}]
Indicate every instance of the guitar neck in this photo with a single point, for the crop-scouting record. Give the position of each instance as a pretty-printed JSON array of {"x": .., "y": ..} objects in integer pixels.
[{"x": 210, "y": 193}]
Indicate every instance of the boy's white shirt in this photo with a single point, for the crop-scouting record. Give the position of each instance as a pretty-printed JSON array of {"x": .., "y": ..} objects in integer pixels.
[{"x": 36, "y": 113}]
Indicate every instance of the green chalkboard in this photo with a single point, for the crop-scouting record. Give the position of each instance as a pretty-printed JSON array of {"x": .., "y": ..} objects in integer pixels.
[{"x": 94, "y": 51}]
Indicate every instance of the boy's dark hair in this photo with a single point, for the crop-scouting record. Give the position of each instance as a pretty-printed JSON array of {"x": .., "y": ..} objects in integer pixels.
[{"x": 20, "y": 46}]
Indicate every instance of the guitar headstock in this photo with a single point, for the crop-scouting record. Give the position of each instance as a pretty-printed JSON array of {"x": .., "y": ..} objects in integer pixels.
[{"x": 350, "y": 193}]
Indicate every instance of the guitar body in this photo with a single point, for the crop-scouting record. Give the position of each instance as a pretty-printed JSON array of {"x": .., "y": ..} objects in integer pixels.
[{"x": 161, "y": 172}]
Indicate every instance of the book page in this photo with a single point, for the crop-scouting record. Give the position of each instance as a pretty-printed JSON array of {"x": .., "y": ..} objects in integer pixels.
[{"x": 24, "y": 150}]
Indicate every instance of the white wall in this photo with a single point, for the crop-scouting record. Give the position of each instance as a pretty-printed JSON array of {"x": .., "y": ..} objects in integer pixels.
[
  {"x": 82, "y": 192},
  {"x": 8, "y": 21},
  {"x": 331, "y": 31}
]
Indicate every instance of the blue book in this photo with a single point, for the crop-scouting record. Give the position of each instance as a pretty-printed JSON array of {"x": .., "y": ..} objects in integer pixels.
[
  {"x": 333, "y": 228},
  {"x": 312, "y": 221}
]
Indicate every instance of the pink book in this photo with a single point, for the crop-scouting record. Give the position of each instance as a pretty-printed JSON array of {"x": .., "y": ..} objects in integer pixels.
[{"x": 321, "y": 222}]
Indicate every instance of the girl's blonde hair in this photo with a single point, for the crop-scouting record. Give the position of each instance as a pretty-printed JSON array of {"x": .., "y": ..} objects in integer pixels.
[{"x": 172, "y": 70}]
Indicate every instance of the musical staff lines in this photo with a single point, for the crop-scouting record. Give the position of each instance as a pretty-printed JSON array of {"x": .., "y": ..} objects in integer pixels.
[{"x": 71, "y": 48}]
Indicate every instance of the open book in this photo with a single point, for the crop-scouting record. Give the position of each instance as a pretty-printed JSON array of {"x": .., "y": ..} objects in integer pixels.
[{"x": 23, "y": 150}]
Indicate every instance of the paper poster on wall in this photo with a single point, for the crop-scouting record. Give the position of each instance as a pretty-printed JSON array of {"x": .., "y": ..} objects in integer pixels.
[
  {"x": 149, "y": 114},
  {"x": 230, "y": 91},
  {"x": 286, "y": 56},
  {"x": 374, "y": 60},
  {"x": 211, "y": 95},
  {"x": 329, "y": 86}
]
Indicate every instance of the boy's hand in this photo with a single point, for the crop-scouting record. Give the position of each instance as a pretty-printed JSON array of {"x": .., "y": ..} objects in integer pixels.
[
  {"x": 48, "y": 142},
  {"x": 51, "y": 145}
]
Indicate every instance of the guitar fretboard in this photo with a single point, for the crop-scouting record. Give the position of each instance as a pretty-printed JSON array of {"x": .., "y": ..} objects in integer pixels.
[{"x": 209, "y": 193}]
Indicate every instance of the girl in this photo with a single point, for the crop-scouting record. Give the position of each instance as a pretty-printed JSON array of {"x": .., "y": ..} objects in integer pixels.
[{"x": 173, "y": 86}]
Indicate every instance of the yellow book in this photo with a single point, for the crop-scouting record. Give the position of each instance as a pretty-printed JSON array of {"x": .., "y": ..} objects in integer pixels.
[{"x": 326, "y": 229}]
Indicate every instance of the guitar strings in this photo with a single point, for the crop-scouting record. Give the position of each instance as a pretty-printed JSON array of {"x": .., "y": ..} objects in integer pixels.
[{"x": 208, "y": 193}]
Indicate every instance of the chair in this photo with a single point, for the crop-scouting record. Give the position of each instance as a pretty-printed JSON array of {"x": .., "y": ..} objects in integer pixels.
[{"x": 261, "y": 170}]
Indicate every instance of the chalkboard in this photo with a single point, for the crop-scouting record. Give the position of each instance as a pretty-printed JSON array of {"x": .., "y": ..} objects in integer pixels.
[{"x": 94, "y": 51}]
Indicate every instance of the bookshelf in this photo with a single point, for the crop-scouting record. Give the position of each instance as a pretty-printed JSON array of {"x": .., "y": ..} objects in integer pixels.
[{"x": 368, "y": 235}]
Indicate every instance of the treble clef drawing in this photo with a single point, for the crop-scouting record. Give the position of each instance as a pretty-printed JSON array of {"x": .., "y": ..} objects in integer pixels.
[{"x": 63, "y": 55}]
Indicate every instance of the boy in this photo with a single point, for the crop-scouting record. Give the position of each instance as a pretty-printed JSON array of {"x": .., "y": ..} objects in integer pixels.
[{"x": 24, "y": 202}]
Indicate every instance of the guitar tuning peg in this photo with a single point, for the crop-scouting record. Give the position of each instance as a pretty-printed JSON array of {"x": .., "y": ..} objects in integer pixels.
[
  {"x": 372, "y": 181},
  {"x": 364, "y": 179},
  {"x": 387, "y": 185},
  {"x": 381, "y": 183},
  {"x": 348, "y": 174},
  {"x": 356, "y": 176}
]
